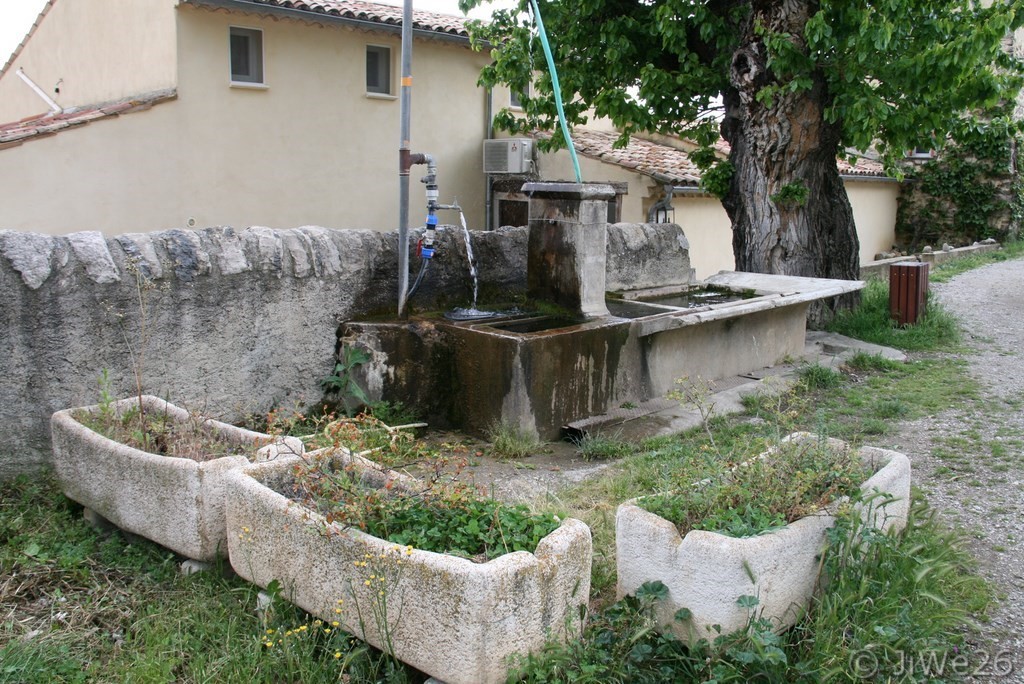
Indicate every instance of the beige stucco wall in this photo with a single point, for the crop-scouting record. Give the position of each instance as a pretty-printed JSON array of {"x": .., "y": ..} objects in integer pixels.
[
  {"x": 99, "y": 50},
  {"x": 118, "y": 175},
  {"x": 310, "y": 148},
  {"x": 874, "y": 211},
  {"x": 558, "y": 166},
  {"x": 709, "y": 231}
]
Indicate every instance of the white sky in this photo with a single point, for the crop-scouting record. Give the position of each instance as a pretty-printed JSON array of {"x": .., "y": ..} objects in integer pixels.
[{"x": 16, "y": 17}]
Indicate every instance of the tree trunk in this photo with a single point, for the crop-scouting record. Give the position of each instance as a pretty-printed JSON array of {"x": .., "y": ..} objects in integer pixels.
[{"x": 789, "y": 209}]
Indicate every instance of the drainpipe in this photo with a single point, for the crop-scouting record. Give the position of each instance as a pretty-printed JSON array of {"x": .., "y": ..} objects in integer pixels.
[
  {"x": 488, "y": 181},
  {"x": 404, "y": 159},
  {"x": 54, "y": 107}
]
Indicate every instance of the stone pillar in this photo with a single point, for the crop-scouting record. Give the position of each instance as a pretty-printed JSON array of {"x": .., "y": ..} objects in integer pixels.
[{"x": 565, "y": 261}]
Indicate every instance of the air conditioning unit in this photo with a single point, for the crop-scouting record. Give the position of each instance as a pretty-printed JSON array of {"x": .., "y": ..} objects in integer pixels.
[{"x": 508, "y": 155}]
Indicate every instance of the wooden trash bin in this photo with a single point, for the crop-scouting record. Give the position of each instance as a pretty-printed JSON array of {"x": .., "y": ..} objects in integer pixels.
[{"x": 908, "y": 287}]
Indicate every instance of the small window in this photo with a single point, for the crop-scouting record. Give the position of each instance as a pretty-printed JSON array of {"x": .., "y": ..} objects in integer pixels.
[
  {"x": 378, "y": 69},
  {"x": 246, "y": 55},
  {"x": 921, "y": 153},
  {"x": 515, "y": 99}
]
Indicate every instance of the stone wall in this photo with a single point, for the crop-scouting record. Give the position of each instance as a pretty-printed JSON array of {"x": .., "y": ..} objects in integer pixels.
[{"x": 236, "y": 321}]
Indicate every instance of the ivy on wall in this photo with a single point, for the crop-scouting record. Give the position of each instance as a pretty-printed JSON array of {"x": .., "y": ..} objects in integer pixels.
[{"x": 970, "y": 191}]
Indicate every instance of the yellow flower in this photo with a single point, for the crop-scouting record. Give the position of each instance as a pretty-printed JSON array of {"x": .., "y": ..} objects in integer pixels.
[
  {"x": 337, "y": 654},
  {"x": 327, "y": 630},
  {"x": 317, "y": 623},
  {"x": 366, "y": 582},
  {"x": 335, "y": 623}
]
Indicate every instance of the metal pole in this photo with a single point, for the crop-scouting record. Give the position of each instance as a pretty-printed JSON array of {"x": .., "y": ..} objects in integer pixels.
[{"x": 404, "y": 160}]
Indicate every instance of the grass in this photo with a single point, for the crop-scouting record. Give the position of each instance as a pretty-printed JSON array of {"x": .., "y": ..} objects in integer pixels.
[
  {"x": 870, "y": 322},
  {"x": 83, "y": 606},
  {"x": 910, "y": 592},
  {"x": 947, "y": 270}
]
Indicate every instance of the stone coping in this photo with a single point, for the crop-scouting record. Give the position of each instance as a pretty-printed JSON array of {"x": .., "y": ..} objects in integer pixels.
[{"x": 772, "y": 292}]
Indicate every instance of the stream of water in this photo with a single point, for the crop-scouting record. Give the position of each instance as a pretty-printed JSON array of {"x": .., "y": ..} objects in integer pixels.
[{"x": 469, "y": 256}]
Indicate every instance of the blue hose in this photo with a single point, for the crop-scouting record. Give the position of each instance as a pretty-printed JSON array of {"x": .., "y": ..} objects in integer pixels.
[{"x": 558, "y": 91}]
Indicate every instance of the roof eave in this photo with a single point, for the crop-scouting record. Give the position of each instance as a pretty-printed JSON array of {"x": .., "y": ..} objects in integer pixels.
[{"x": 324, "y": 18}]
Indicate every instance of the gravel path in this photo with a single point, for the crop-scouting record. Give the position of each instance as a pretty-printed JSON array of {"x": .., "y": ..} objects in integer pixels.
[{"x": 983, "y": 492}]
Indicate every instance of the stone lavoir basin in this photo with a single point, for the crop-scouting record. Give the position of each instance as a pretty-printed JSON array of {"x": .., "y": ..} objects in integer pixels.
[
  {"x": 540, "y": 372},
  {"x": 175, "y": 502},
  {"x": 457, "y": 620},
  {"x": 707, "y": 572}
]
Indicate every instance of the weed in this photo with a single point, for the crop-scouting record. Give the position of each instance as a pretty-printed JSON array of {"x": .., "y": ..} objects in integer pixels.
[
  {"x": 510, "y": 441},
  {"x": 595, "y": 447},
  {"x": 816, "y": 376},
  {"x": 797, "y": 478},
  {"x": 863, "y": 361},
  {"x": 891, "y": 409}
]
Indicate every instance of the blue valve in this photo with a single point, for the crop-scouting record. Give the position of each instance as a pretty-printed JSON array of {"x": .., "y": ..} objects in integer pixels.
[{"x": 428, "y": 238}]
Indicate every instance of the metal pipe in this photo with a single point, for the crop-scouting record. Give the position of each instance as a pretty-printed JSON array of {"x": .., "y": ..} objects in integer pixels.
[
  {"x": 54, "y": 107},
  {"x": 488, "y": 181},
  {"x": 404, "y": 159}
]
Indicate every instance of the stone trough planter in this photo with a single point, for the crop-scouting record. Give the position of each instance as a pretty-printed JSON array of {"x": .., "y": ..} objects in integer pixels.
[
  {"x": 454, "y": 619},
  {"x": 175, "y": 502},
  {"x": 707, "y": 572}
]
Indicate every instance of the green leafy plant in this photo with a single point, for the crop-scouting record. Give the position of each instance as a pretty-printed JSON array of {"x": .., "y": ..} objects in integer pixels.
[
  {"x": 342, "y": 383},
  {"x": 792, "y": 195},
  {"x": 394, "y": 413}
]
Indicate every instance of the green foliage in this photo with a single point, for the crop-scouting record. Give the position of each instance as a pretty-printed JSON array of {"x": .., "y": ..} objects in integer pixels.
[
  {"x": 871, "y": 322},
  {"x": 441, "y": 514},
  {"x": 342, "y": 383},
  {"x": 394, "y": 413},
  {"x": 910, "y": 591},
  {"x": 864, "y": 361},
  {"x": 880, "y": 71},
  {"x": 965, "y": 194},
  {"x": 717, "y": 179},
  {"x": 471, "y": 528},
  {"x": 83, "y": 605}
]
